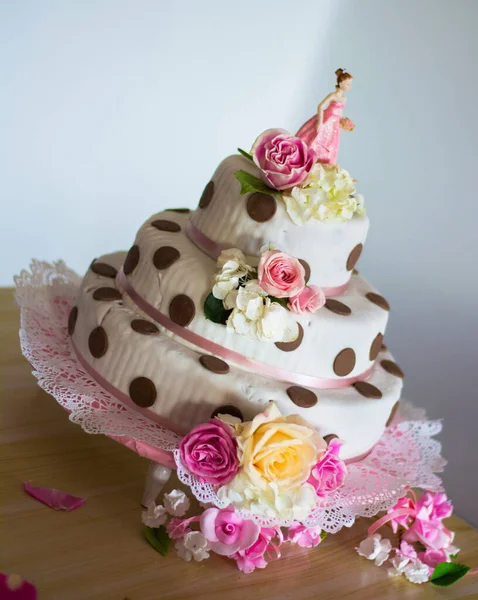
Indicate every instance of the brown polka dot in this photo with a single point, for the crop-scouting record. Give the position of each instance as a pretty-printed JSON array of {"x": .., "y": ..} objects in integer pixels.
[
  {"x": 182, "y": 310},
  {"x": 367, "y": 390},
  {"x": 165, "y": 225},
  {"x": 261, "y": 207},
  {"x": 339, "y": 308},
  {"x": 106, "y": 294},
  {"x": 306, "y": 266},
  {"x": 72, "y": 317},
  {"x": 179, "y": 210},
  {"x": 142, "y": 392},
  {"x": 291, "y": 346},
  {"x": 355, "y": 272},
  {"x": 302, "y": 396},
  {"x": 98, "y": 342},
  {"x": 378, "y": 300},
  {"x": 144, "y": 327},
  {"x": 207, "y": 195},
  {"x": 392, "y": 414},
  {"x": 214, "y": 364},
  {"x": 228, "y": 409},
  {"x": 330, "y": 437},
  {"x": 354, "y": 256},
  {"x": 344, "y": 362},
  {"x": 165, "y": 256},
  {"x": 131, "y": 260},
  {"x": 383, "y": 347},
  {"x": 101, "y": 268},
  {"x": 375, "y": 347},
  {"x": 392, "y": 368}
]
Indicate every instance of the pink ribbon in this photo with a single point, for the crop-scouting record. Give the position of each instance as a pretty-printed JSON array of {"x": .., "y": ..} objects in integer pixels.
[
  {"x": 213, "y": 249},
  {"x": 400, "y": 512},
  {"x": 231, "y": 355}
]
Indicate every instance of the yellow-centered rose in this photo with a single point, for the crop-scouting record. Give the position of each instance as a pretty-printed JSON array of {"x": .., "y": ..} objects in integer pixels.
[{"x": 280, "y": 450}]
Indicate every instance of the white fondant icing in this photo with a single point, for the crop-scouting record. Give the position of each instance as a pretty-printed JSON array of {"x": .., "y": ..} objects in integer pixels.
[
  {"x": 325, "y": 246},
  {"x": 325, "y": 333},
  {"x": 187, "y": 393}
]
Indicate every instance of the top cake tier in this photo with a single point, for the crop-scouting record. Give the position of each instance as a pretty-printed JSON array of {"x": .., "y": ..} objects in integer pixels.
[{"x": 225, "y": 218}]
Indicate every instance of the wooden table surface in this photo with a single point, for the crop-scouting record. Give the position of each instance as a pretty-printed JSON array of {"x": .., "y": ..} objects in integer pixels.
[{"x": 97, "y": 551}]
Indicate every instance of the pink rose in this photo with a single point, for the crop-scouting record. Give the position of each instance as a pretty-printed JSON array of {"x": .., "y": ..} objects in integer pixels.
[
  {"x": 329, "y": 473},
  {"x": 285, "y": 160},
  {"x": 254, "y": 557},
  {"x": 209, "y": 451},
  {"x": 308, "y": 301},
  {"x": 227, "y": 532},
  {"x": 280, "y": 275},
  {"x": 306, "y": 537}
]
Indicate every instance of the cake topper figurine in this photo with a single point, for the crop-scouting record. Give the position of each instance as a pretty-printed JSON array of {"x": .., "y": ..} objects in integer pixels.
[{"x": 322, "y": 131}]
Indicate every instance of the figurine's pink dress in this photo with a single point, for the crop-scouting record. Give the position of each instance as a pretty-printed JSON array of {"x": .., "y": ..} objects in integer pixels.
[{"x": 325, "y": 141}]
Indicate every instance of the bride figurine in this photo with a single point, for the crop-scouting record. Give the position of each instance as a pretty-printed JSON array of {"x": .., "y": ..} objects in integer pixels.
[{"x": 321, "y": 132}]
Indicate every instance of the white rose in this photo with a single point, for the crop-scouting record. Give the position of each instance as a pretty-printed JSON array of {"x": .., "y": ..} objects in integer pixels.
[{"x": 176, "y": 503}]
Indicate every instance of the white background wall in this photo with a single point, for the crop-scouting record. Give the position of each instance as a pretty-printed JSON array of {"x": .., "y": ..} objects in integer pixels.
[{"x": 113, "y": 110}]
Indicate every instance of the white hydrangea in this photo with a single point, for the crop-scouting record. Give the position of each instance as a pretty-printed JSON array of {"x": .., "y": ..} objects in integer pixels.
[
  {"x": 176, "y": 503},
  {"x": 192, "y": 545},
  {"x": 327, "y": 194},
  {"x": 375, "y": 548},
  {"x": 417, "y": 572},
  {"x": 154, "y": 516},
  {"x": 233, "y": 266},
  {"x": 256, "y": 316}
]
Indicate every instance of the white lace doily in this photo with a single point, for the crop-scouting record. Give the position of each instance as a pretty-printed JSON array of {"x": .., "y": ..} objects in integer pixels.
[{"x": 405, "y": 456}]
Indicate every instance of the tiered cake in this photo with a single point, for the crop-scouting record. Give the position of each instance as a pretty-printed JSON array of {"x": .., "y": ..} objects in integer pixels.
[{"x": 140, "y": 324}]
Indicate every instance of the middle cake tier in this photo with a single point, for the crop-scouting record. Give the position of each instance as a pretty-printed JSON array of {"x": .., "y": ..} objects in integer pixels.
[{"x": 168, "y": 273}]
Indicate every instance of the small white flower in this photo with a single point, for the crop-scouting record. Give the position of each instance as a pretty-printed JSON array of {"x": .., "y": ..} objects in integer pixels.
[
  {"x": 192, "y": 545},
  {"x": 176, "y": 503},
  {"x": 276, "y": 324},
  {"x": 398, "y": 565},
  {"x": 154, "y": 516},
  {"x": 233, "y": 266},
  {"x": 417, "y": 572},
  {"x": 374, "y": 548}
]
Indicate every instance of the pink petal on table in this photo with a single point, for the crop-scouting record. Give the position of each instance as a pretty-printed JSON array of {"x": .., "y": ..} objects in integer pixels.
[
  {"x": 55, "y": 499},
  {"x": 13, "y": 587}
]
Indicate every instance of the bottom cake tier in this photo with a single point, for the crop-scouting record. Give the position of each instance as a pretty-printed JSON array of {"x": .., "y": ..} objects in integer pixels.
[{"x": 181, "y": 386}]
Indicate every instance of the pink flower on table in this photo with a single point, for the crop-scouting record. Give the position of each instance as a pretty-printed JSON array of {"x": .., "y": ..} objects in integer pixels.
[
  {"x": 406, "y": 551},
  {"x": 308, "y": 301},
  {"x": 254, "y": 557},
  {"x": 432, "y": 534},
  {"x": 433, "y": 557},
  {"x": 306, "y": 537},
  {"x": 284, "y": 160},
  {"x": 177, "y": 528},
  {"x": 436, "y": 505},
  {"x": 227, "y": 532},
  {"x": 329, "y": 473},
  {"x": 209, "y": 451},
  {"x": 402, "y": 520},
  {"x": 280, "y": 274}
]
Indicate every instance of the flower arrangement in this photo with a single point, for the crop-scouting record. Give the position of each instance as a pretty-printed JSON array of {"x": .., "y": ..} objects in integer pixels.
[
  {"x": 346, "y": 124},
  {"x": 425, "y": 549},
  {"x": 290, "y": 171},
  {"x": 272, "y": 466},
  {"x": 255, "y": 301}
]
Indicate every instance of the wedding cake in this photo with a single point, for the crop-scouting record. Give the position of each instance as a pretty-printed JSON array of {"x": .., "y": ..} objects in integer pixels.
[{"x": 251, "y": 297}]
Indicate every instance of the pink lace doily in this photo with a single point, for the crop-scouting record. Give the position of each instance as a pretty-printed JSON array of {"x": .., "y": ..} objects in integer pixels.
[{"x": 405, "y": 456}]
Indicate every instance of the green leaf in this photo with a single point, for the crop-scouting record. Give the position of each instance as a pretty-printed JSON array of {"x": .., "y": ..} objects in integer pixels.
[
  {"x": 453, "y": 556},
  {"x": 447, "y": 573},
  {"x": 251, "y": 183},
  {"x": 244, "y": 153},
  {"x": 158, "y": 538},
  {"x": 323, "y": 535},
  {"x": 282, "y": 301},
  {"x": 214, "y": 310}
]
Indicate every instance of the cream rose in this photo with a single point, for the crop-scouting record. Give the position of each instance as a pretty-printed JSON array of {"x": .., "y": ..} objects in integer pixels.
[{"x": 279, "y": 450}]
